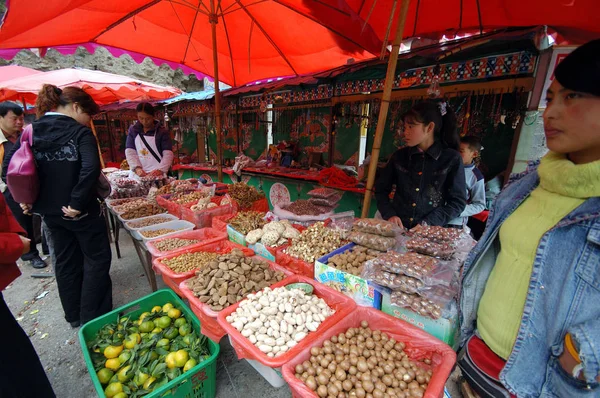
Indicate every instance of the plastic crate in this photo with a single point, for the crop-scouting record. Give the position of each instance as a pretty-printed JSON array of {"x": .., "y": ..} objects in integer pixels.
[
  {"x": 208, "y": 317},
  {"x": 178, "y": 225},
  {"x": 419, "y": 345},
  {"x": 134, "y": 231},
  {"x": 294, "y": 264},
  {"x": 204, "y": 218},
  {"x": 343, "y": 305},
  {"x": 204, "y": 236},
  {"x": 272, "y": 376},
  {"x": 220, "y": 222},
  {"x": 173, "y": 279},
  {"x": 198, "y": 382},
  {"x": 110, "y": 203}
]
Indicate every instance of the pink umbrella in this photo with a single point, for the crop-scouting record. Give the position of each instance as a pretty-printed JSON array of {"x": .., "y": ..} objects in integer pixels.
[
  {"x": 10, "y": 72},
  {"x": 105, "y": 88}
]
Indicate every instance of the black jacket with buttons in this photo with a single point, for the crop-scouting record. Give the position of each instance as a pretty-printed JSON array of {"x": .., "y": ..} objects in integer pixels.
[{"x": 430, "y": 186}]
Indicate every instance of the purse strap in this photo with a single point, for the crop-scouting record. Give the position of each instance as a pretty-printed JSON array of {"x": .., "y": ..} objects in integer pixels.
[
  {"x": 158, "y": 159},
  {"x": 27, "y": 134}
]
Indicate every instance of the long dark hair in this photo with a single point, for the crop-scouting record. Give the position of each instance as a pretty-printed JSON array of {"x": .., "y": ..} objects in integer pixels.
[
  {"x": 445, "y": 130},
  {"x": 50, "y": 97}
]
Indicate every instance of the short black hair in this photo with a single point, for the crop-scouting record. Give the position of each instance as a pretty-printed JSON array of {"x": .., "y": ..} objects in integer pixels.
[
  {"x": 146, "y": 108},
  {"x": 580, "y": 70},
  {"x": 9, "y": 106},
  {"x": 473, "y": 142}
]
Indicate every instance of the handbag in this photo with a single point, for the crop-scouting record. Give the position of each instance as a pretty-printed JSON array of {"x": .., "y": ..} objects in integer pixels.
[
  {"x": 22, "y": 174},
  {"x": 103, "y": 188}
]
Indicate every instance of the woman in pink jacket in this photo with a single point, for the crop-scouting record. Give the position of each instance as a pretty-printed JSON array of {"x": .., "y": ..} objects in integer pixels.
[{"x": 21, "y": 373}]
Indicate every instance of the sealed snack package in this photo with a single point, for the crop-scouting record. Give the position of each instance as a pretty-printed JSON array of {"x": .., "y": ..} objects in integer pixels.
[
  {"x": 329, "y": 202},
  {"x": 372, "y": 271},
  {"x": 416, "y": 303},
  {"x": 429, "y": 270},
  {"x": 425, "y": 246},
  {"x": 376, "y": 227},
  {"x": 376, "y": 242},
  {"x": 323, "y": 193},
  {"x": 437, "y": 234}
]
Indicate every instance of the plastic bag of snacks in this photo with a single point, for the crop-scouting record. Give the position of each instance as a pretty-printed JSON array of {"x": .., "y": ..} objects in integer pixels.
[
  {"x": 418, "y": 304},
  {"x": 437, "y": 234},
  {"x": 426, "y": 246},
  {"x": 323, "y": 193},
  {"x": 381, "y": 243},
  {"x": 373, "y": 271},
  {"x": 376, "y": 227}
]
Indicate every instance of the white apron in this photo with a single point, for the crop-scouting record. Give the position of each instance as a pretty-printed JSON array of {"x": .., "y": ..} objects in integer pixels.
[{"x": 147, "y": 161}]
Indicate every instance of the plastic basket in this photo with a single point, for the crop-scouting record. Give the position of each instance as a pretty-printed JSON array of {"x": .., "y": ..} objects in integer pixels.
[
  {"x": 173, "y": 279},
  {"x": 198, "y": 382},
  {"x": 178, "y": 225},
  {"x": 123, "y": 220},
  {"x": 204, "y": 236},
  {"x": 294, "y": 264},
  {"x": 134, "y": 231},
  {"x": 419, "y": 345},
  {"x": 342, "y": 305},
  {"x": 208, "y": 317},
  {"x": 110, "y": 203},
  {"x": 203, "y": 218},
  {"x": 220, "y": 222},
  {"x": 172, "y": 207}
]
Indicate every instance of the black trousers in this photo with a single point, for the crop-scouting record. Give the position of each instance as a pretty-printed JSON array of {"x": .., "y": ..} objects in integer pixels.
[
  {"x": 83, "y": 257},
  {"x": 26, "y": 222},
  {"x": 21, "y": 372}
]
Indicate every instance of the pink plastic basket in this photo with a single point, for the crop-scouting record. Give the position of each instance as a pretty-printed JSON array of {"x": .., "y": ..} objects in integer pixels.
[
  {"x": 204, "y": 218},
  {"x": 174, "y": 279},
  {"x": 419, "y": 345},
  {"x": 342, "y": 304},
  {"x": 208, "y": 318},
  {"x": 203, "y": 236}
]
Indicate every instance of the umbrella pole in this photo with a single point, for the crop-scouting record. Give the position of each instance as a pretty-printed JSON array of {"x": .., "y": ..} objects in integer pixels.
[
  {"x": 97, "y": 143},
  {"x": 385, "y": 104},
  {"x": 213, "y": 19}
]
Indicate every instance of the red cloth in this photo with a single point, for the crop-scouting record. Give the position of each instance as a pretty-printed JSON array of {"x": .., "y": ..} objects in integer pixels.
[
  {"x": 483, "y": 216},
  {"x": 335, "y": 176},
  {"x": 11, "y": 247}
]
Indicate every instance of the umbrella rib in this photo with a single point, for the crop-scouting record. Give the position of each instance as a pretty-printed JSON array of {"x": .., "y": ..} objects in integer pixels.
[
  {"x": 189, "y": 42},
  {"x": 461, "y": 15},
  {"x": 479, "y": 17},
  {"x": 125, "y": 18},
  {"x": 228, "y": 11},
  {"x": 325, "y": 26},
  {"x": 362, "y": 4},
  {"x": 416, "y": 18},
  {"x": 268, "y": 37},
  {"x": 228, "y": 45},
  {"x": 332, "y": 7},
  {"x": 191, "y": 33}
]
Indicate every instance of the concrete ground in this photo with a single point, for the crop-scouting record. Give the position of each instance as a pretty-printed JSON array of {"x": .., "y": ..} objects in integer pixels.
[{"x": 36, "y": 305}]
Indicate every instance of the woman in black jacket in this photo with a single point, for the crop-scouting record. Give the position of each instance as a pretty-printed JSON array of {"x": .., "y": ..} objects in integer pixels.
[
  {"x": 68, "y": 167},
  {"x": 428, "y": 172}
]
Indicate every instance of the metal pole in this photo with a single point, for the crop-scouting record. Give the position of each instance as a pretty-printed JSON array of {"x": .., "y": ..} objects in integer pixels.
[
  {"x": 214, "y": 19},
  {"x": 385, "y": 104}
]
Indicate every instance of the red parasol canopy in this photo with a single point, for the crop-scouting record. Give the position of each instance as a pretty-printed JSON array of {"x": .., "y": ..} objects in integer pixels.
[
  {"x": 105, "y": 88},
  {"x": 255, "y": 39}
]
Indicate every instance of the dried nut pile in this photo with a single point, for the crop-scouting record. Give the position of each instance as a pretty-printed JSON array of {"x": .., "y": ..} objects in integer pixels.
[
  {"x": 130, "y": 205},
  {"x": 229, "y": 278},
  {"x": 315, "y": 242},
  {"x": 363, "y": 363},
  {"x": 183, "y": 198},
  {"x": 351, "y": 261},
  {"x": 246, "y": 221},
  {"x": 276, "y": 320},
  {"x": 189, "y": 261},
  {"x": 303, "y": 207},
  {"x": 145, "y": 210},
  {"x": 244, "y": 194},
  {"x": 158, "y": 232},
  {"x": 148, "y": 222},
  {"x": 418, "y": 304},
  {"x": 169, "y": 244}
]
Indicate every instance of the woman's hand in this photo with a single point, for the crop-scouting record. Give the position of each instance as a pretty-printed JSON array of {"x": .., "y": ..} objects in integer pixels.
[
  {"x": 156, "y": 173},
  {"x": 26, "y": 208},
  {"x": 397, "y": 221},
  {"x": 140, "y": 172},
  {"x": 70, "y": 212},
  {"x": 26, "y": 244}
]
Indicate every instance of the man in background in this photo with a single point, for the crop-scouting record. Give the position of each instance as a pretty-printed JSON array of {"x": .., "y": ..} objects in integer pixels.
[{"x": 11, "y": 124}]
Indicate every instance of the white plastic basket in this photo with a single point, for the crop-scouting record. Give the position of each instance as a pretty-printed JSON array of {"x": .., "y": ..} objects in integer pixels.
[
  {"x": 178, "y": 225},
  {"x": 272, "y": 376},
  {"x": 134, "y": 231}
]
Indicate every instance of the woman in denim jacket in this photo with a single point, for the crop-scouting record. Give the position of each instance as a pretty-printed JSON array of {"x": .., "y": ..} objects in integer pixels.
[{"x": 530, "y": 304}]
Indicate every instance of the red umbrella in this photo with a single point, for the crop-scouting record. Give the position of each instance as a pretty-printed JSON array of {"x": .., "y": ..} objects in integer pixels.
[
  {"x": 255, "y": 39},
  {"x": 105, "y": 88}
]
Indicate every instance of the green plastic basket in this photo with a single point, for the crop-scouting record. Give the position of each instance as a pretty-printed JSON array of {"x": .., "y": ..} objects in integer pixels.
[{"x": 198, "y": 382}]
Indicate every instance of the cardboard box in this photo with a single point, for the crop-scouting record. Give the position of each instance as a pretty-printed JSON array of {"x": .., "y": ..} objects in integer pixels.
[
  {"x": 442, "y": 328},
  {"x": 235, "y": 236},
  {"x": 261, "y": 250},
  {"x": 365, "y": 293}
]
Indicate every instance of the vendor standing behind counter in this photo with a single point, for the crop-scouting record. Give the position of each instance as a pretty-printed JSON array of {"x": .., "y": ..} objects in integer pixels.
[
  {"x": 428, "y": 173},
  {"x": 149, "y": 149}
]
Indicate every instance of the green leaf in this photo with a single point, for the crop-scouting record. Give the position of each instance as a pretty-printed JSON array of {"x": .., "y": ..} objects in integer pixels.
[
  {"x": 161, "y": 351},
  {"x": 159, "y": 370}
]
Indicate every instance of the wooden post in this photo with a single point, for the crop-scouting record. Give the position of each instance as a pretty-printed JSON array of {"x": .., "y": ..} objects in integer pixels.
[
  {"x": 214, "y": 19},
  {"x": 110, "y": 138},
  {"x": 385, "y": 104},
  {"x": 97, "y": 142}
]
